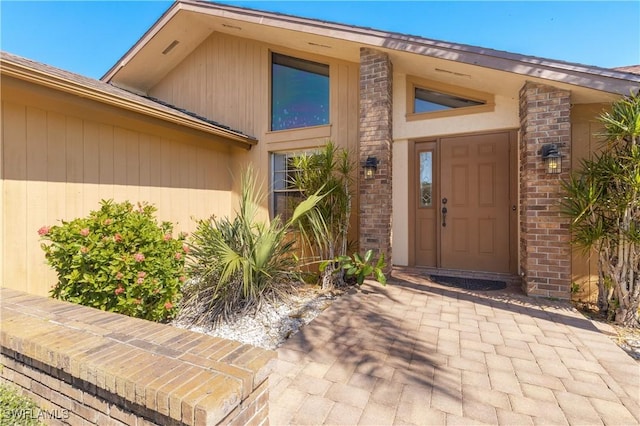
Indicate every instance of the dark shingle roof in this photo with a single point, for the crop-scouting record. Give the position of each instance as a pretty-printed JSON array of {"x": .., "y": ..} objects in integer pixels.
[{"x": 191, "y": 114}]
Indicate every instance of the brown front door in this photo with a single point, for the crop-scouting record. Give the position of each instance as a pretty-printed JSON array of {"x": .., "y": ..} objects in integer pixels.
[{"x": 467, "y": 226}]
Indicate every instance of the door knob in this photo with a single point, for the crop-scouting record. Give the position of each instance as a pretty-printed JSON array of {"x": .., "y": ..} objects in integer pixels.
[{"x": 444, "y": 216}]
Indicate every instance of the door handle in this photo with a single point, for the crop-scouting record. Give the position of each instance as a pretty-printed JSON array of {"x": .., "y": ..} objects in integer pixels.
[{"x": 444, "y": 216}]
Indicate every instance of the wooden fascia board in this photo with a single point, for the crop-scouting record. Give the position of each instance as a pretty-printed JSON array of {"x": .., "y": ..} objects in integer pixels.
[
  {"x": 43, "y": 79},
  {"x": 601, "y": 79},
  {"x": 151, "y": 32},
  {"x": 605, "y": 80}
]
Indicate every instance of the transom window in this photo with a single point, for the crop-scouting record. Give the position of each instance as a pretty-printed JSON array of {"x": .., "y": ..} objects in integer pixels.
[
  {"x": 299, "y": 93},
  {"x": 426, "y": 100}
]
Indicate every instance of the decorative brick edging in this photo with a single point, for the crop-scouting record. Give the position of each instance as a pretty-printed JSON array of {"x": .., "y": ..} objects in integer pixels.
[{"x": 85, "y": 366}]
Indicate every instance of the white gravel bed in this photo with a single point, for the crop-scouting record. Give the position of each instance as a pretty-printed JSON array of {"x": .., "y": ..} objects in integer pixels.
[{"x": 273, "y": 324}]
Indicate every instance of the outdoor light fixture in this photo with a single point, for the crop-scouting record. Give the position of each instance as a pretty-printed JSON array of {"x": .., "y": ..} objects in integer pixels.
[
  {"x": 552, "y": 159},
  {"x": 370, "y": 167}
]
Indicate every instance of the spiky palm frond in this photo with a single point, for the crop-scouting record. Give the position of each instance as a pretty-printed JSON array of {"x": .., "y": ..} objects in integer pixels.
[
  {"x": 240, "y": 263},
  {"x": 622, "y": 123},
  {"x": 329, "y": 171},
  {"x": 603, "y": 200}
]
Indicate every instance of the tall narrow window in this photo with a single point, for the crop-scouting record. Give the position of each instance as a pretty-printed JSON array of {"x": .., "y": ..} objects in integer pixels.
[
  {"x": 426, "y": 179},
  {"x": 299, "y": 93},
  {"x": 284, "y": 197}
]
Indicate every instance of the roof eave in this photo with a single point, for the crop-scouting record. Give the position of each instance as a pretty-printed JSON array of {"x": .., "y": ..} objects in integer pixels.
[
  {"x": 41, "y": 78},
  {"x": 602, "y": 79},
  {"x": 157, "y": 26}
]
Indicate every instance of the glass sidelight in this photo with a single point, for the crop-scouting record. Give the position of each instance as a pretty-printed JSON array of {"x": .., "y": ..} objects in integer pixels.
[
  {"x": 426, "y": 179},
  {"x": 423, "y": 189}
]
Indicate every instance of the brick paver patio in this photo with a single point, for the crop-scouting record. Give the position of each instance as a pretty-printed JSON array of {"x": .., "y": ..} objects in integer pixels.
[{"x": 418, "y": 353}]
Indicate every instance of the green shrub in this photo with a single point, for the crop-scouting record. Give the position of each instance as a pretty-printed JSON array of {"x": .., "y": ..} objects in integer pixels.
[
  {"x": 239, "y": 263},
  {"x": 118, "y": 259},
  {"x": 16, "y": 409},
  {"x": 359, "y": 267}
]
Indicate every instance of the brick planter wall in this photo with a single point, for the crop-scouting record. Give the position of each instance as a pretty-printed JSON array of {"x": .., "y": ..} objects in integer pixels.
[
  {"x": 84, "y": 366},
  {"x": 545, "y": 251},
  {"x": 376, "y": 75}
]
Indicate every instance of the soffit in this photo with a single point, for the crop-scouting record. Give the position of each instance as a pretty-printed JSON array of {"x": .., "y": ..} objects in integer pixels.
[
  {"x": 499, "y": 83},
  {"x": 502, "y": 73},
  {"x": 147, "y": 64}
]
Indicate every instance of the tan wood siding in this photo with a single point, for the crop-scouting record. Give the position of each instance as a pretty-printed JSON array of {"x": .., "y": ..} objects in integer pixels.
[
  {"x": 221, "y": 80},
  {"x": 584, "y": 142},
  {"x": 226, "y": 79},
  {"x": 58, "y": 164}
]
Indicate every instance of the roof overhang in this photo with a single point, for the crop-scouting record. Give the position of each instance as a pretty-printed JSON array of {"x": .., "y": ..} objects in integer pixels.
[
  {"x": 190, "y": 22},
  {"x": 21, "y": 71}
]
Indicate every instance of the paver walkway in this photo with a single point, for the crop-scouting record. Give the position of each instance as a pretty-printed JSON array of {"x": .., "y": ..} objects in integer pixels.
[{"x": 418, "y": 353}]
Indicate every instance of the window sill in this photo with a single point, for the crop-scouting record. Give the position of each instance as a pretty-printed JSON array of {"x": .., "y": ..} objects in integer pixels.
[{"x": 315, "y": 132}]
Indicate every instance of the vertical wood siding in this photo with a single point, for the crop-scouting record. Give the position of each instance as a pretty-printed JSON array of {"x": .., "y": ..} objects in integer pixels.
[
  {"x": 58, "y": 166},
  {"x": 219, "y": 81},
  {"x": 584, "y": 128},
  {"x": 226, "y": 79}
]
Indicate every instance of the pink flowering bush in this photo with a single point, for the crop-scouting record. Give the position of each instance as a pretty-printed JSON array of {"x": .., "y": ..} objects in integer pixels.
[{"x": 118, "y": 259}]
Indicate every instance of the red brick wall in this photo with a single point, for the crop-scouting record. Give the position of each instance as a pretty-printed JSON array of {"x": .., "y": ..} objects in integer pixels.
[
  {"x": 376, "y": 74},
  {"x": 545, "y": 251}
]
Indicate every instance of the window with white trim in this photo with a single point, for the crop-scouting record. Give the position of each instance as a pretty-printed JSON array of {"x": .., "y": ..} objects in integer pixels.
[{"x": 284, "y": 196}]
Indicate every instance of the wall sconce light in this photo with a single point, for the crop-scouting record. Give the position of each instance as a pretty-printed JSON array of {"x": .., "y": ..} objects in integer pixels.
[
  {"x": 370, "y": 167},
  {"x": 552, "y": 159}
]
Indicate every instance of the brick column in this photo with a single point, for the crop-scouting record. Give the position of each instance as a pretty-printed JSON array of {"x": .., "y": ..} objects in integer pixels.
[
  {"x": 376, "y": 75},
  {"x": 545, "y": 251}
]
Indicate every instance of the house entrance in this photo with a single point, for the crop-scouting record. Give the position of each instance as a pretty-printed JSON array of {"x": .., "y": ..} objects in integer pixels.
[{"x": 464, "y": 216}]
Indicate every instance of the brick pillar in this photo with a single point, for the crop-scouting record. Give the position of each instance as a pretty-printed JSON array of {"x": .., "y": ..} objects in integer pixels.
[
  {"x": 375, "y": 140},
  {"x": 545, "y": 251}
]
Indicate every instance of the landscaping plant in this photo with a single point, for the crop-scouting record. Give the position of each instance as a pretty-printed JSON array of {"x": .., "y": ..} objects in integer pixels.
[
  {"x": 16, "y": 409},
  {"x": 325, "y": 232},
  {"x": 118, "y": 259},
  {"x": 360, "y": 267},
  {"x": 603, "y": 200},
  {"x": 237, "y": 264}
]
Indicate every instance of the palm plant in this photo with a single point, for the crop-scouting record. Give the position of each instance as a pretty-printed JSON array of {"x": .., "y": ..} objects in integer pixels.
[
  {"x": 238, "y": 264},
  {"x": 603, "y": 200},
  {"x": 325, "y": 230}
]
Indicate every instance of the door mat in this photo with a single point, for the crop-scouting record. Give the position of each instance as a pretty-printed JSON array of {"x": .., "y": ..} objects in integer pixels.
[{"x": 469, "y": 283}]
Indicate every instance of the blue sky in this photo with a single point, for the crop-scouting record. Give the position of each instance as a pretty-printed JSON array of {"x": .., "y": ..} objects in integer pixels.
[{"x": 88, "y": 37}]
